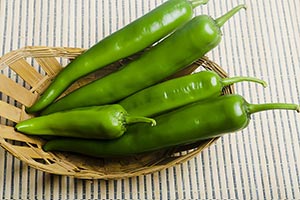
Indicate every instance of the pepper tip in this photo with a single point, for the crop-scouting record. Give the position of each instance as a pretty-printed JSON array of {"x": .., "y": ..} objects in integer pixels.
[
  {"x": 198, "y": 2},
  {"x": 221, "y": 20},
  {"x": 264, "y": 84},
  {"x": 153, "y": 122},
  {"x": 28, "y": 110}
]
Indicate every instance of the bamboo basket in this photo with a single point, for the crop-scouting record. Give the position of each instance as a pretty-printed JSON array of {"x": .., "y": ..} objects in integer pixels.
[{"x": 25, "y": 74}]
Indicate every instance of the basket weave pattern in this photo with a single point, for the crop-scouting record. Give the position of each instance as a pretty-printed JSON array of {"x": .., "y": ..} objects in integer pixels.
[{"x": 25, "y": 74}]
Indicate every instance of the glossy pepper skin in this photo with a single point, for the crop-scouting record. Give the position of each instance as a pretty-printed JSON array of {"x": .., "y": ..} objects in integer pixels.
[
  {"x": 189, "y": 124},
  {"x": 97, "y": 122},
  {"x": 184, "y": 46},
  {"x": 131, "y": 39},
  {"x": 177, "y": 92}
]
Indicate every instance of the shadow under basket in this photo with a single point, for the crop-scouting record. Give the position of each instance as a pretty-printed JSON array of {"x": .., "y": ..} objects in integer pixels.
[{"x": 25, "y": 74}]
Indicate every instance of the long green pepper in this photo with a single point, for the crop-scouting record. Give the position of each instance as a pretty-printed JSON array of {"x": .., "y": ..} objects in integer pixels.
[
  {"x": 96, "y": 122},
  {"x": 129, "y": 40},
  {"x": 177, "y": 92},
  {"x": 181, "y": 48},
  {"x": 189, "y": 124}
]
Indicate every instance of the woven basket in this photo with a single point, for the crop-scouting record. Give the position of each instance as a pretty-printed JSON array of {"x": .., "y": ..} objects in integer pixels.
[{"x": 25, "y": 73}]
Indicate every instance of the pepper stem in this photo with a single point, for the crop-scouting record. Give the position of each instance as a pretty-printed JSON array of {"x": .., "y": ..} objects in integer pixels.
[
  {"x": 138, "y": 119},
  {"x": 232, "y": 80},
  {"x": 253, "y": 108},
  {"x": 196, "y": 3},
  {"x": 223, "y": 19}
]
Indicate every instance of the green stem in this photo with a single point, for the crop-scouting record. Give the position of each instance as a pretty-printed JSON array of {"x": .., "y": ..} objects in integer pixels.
[
  {"x": 253, "y": 108},
  {"x": 196, "y": 3},
  {"x": 232, "y": 80},
  {"x": 138, "y": 119},
  {"x": 223, "y": 19}
]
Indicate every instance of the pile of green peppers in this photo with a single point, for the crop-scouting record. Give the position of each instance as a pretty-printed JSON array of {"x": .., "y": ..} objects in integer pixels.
[{"x": 135, "y": 109}]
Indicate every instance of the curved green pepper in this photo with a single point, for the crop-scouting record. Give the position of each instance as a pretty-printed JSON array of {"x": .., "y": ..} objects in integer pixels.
[
  {"x": 189, "y": 124},
  {"x": 129, "y": 40},
  {"x": 97, "y": 122},
  {"x": 174, "y": 53},
  {"x": 177, "y": 92}
]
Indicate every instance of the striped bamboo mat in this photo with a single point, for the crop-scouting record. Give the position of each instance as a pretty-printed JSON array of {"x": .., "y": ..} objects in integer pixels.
[{"x": 260, "y": 162}]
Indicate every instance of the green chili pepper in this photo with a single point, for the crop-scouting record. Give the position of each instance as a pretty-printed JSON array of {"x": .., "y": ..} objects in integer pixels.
[
  {"x": 177, "y": 92},
  {"x": 129, "y": 40},
  {"x": 98, "y": 122},
  {"x": 189, "y": 124},
  {"x": 180, "y": 49}
]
